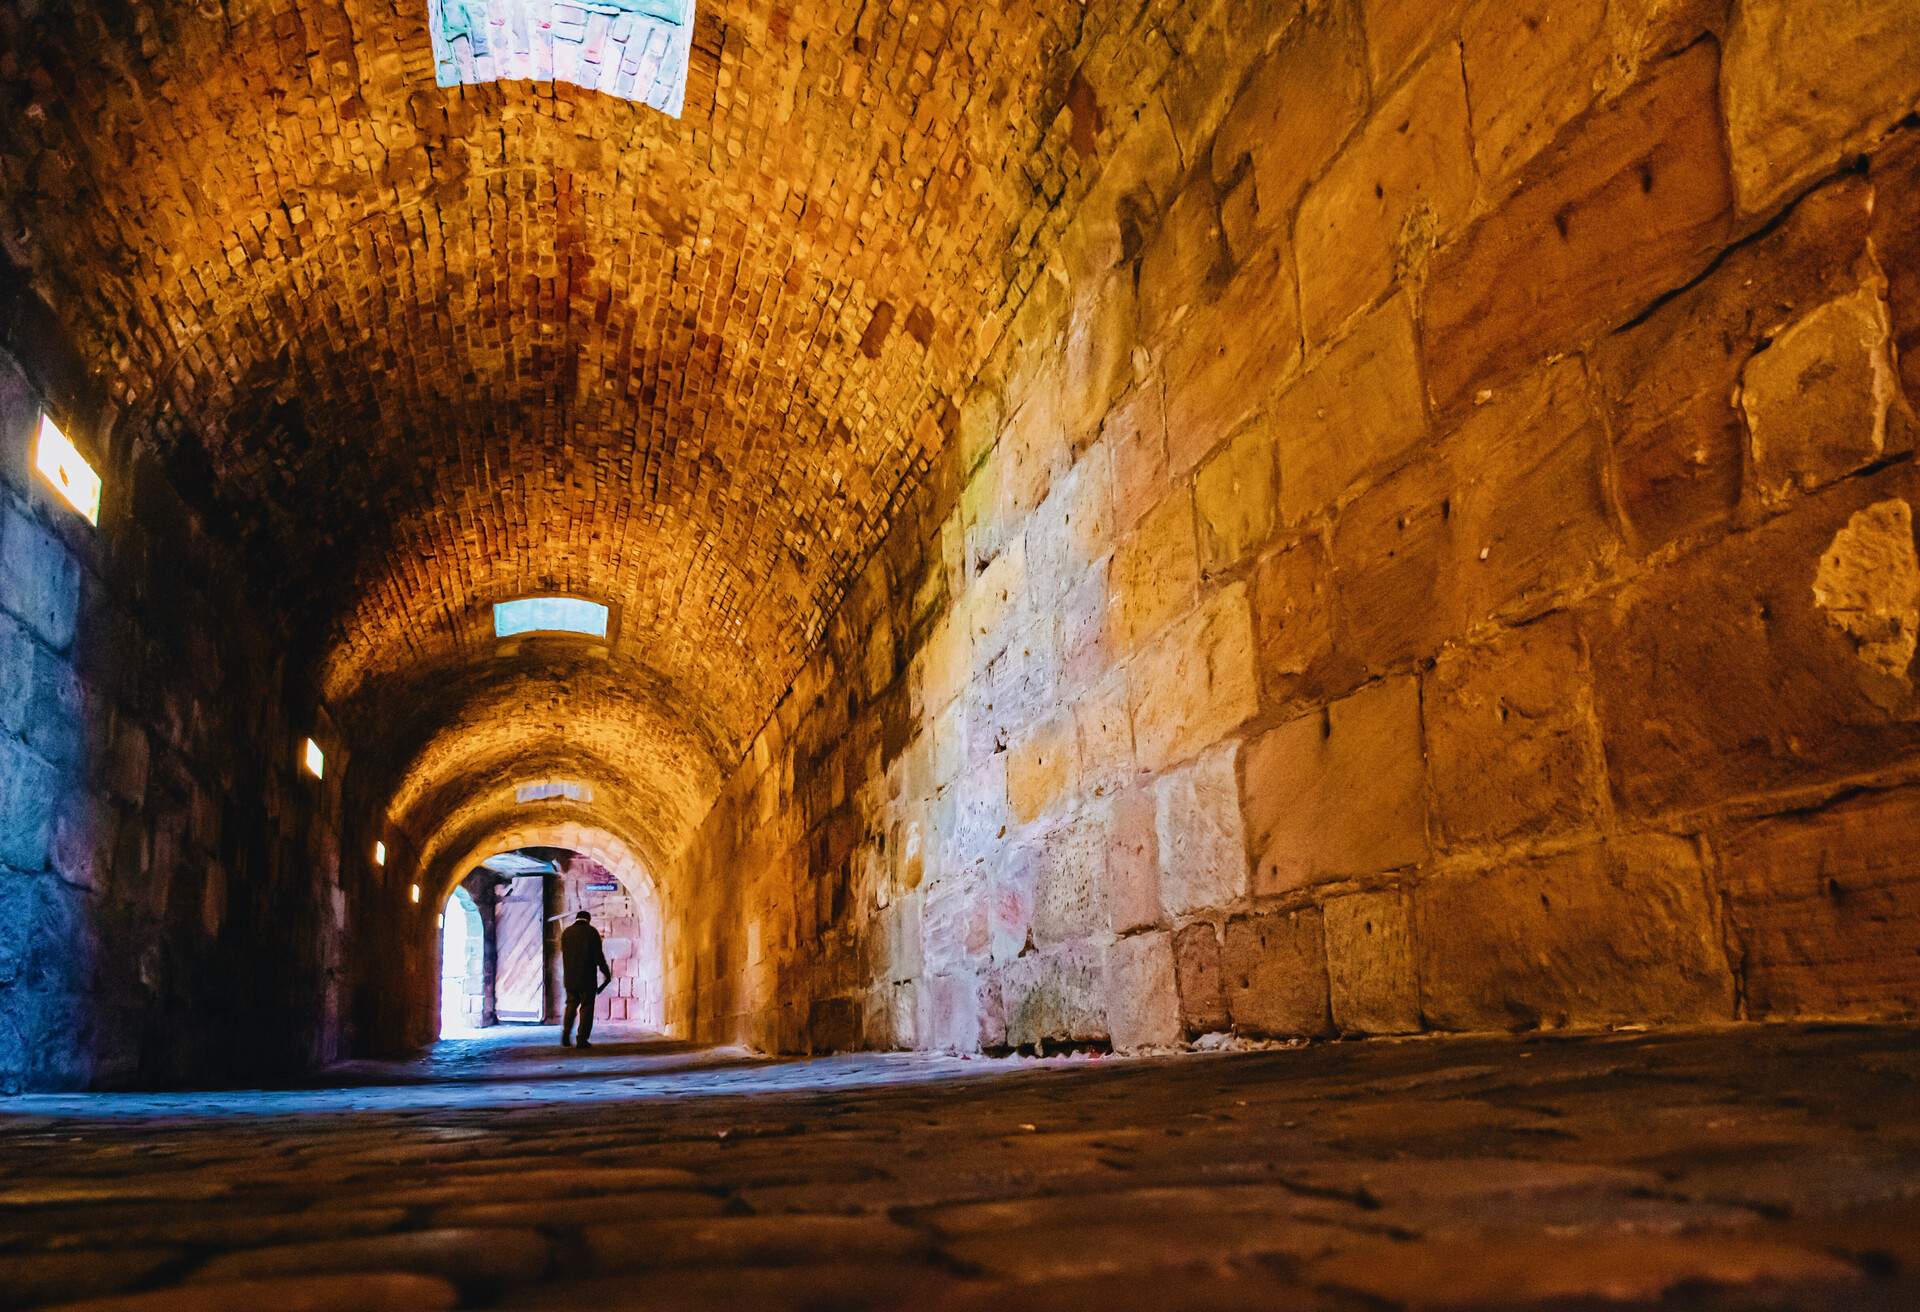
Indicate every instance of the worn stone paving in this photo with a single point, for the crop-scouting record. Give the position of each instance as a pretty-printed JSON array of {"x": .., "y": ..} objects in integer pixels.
[{"x": 1742, "y": 1168}]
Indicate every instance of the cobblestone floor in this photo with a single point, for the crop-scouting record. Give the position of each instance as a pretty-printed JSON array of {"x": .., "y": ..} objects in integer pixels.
[{"x": 1755, "y": 1168}]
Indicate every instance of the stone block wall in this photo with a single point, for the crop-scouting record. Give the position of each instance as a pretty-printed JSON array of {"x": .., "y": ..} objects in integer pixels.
[
  {"x": 629, "y": 926},
  {"x": 1437, "y": 552},
  {"x": 170, "y": 903}
]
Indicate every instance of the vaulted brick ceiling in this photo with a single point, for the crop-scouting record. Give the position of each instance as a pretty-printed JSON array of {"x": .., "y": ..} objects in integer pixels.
[{"x": 429, "y": 348}]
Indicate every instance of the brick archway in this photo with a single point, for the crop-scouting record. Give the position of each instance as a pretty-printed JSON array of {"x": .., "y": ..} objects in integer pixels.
[{"x": 644, "y": 942}]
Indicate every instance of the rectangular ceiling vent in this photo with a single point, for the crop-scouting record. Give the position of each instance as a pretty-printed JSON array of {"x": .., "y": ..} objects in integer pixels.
[
  {"x": 574, "y": 615},
  {"x": 635, "y": 49},
  {"x": 552, "y": 790}
]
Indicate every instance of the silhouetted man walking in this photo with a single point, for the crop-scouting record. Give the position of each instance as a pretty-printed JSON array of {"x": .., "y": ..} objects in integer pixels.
[{"x": 582, "y": 959}]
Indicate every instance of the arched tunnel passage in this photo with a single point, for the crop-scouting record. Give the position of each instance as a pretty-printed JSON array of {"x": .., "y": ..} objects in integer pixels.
[
  {"x": 1110, "y": 528},
  {"x": 1081, "y": 565},
  {"x": 515, "y": 903}
]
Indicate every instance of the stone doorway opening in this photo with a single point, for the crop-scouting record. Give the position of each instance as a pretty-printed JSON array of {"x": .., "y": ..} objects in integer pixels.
[{"x": 462, "y": 966}]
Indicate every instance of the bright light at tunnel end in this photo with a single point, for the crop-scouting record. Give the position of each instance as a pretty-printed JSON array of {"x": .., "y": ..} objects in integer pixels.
[
  {"x": 549, "y": 615},
  {"x": 379, "y": 853},
  {"x": 314, "y": 759},
  {"x": 413, "y": 893}
]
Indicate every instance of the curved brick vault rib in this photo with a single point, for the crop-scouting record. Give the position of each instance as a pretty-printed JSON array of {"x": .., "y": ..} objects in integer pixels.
[
  {"x": 459, "y": 846},
  {"x": 424, "y": 348},
  {"x": 647, "y": 809},
  {"x": 540, "y": 715}
]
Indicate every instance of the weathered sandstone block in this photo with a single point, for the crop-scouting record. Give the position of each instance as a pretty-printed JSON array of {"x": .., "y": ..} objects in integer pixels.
[
  {"x": 1059, "y": 994},
  {"x": 58, "y": 723},
  {"x": 1401, "y": 188},
  {"x": 81, "y": 852},
  {"x": 1014, "y": 690},
  {"x": 1196, "y": 963},
  {"x": 1616, "y": 931},
  {"x": 30, "y": 792},
  {"x": 1808, "y": 81},
  {"x": 1072, "y": 530},
  {"x": 1823, "y": 400},
  {"x": 973, "y": 814},
  {"x": 1370, "y": 965},
  {"x": 1196, "y": 683},
  {"x": 947, "y": 750},
  {"x": 39, "y": 578},
  {"x": 1275, "y": 970},
  {"x": 1535, "y": 65},
  {"x": 1725, "y": 675},
  {"x": 1341, "y": 792},
  {"x": 1155, "y": 571},
  {"x": 1143, "y": 1000},
  {"x": 900, "y": 925},
  {"x": 1868, "y": 584},
  {"x": 1236, "y": 495},
  {"x": 997, "y": 601},
  {"x": 1896, "y": 241},
  {"x": 1826, "y": 908},
  {"x": 1043, "y": 767},
  {"x": 963, "y": 1013},
  {"x": 1070, "y": 879},
  {"x": 1295, "y": 626},
  {"x": 984, "y": 525},
  {"x": 1099, "y": 356},
  {"x": 1400, "y": 31},
  {"x": 1133, "y": 863},
  {"x": 1670, "y": 383},
  {"x": 1352, "y": 411},
  {"x": 1087, "y": 624},
  {"x": 17, "y": 684},
  {"x": 1223, "y": 40},
  {"x": 1106, "y": 736},
  {"x": 1136, "y": 430},
  {"x": 1187, "y": 255},
  {"x": 1395, "y": 553},
  {"x": 945, "y": 660},
  {"x": 1228, "y": 356},
  {"x": 982, "y": 413},
  {"x": 1201, "y": 840},
  {"x": 889, "y": 1017},
  {"x": 1512, "y": 737},
  {"x": 1533, "y": 523},
  {"x": 1632, "y": 201},
  {"x": 955, "y": 933},
  {"x": 1009, "y": 893},
  {"x": 1299, "y": 104},
  {"x": 833, "y": 1024}
]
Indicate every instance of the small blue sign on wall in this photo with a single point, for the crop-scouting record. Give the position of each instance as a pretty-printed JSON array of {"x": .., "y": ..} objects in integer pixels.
[{"x": 635, "y": 49}]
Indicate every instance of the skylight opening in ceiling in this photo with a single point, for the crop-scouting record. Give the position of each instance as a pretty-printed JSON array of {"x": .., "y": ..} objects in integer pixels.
[
  {"x": 635, "y": 49},
  {"x": 552, "y": 791},
  {"x": 549, "y": 615}
]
